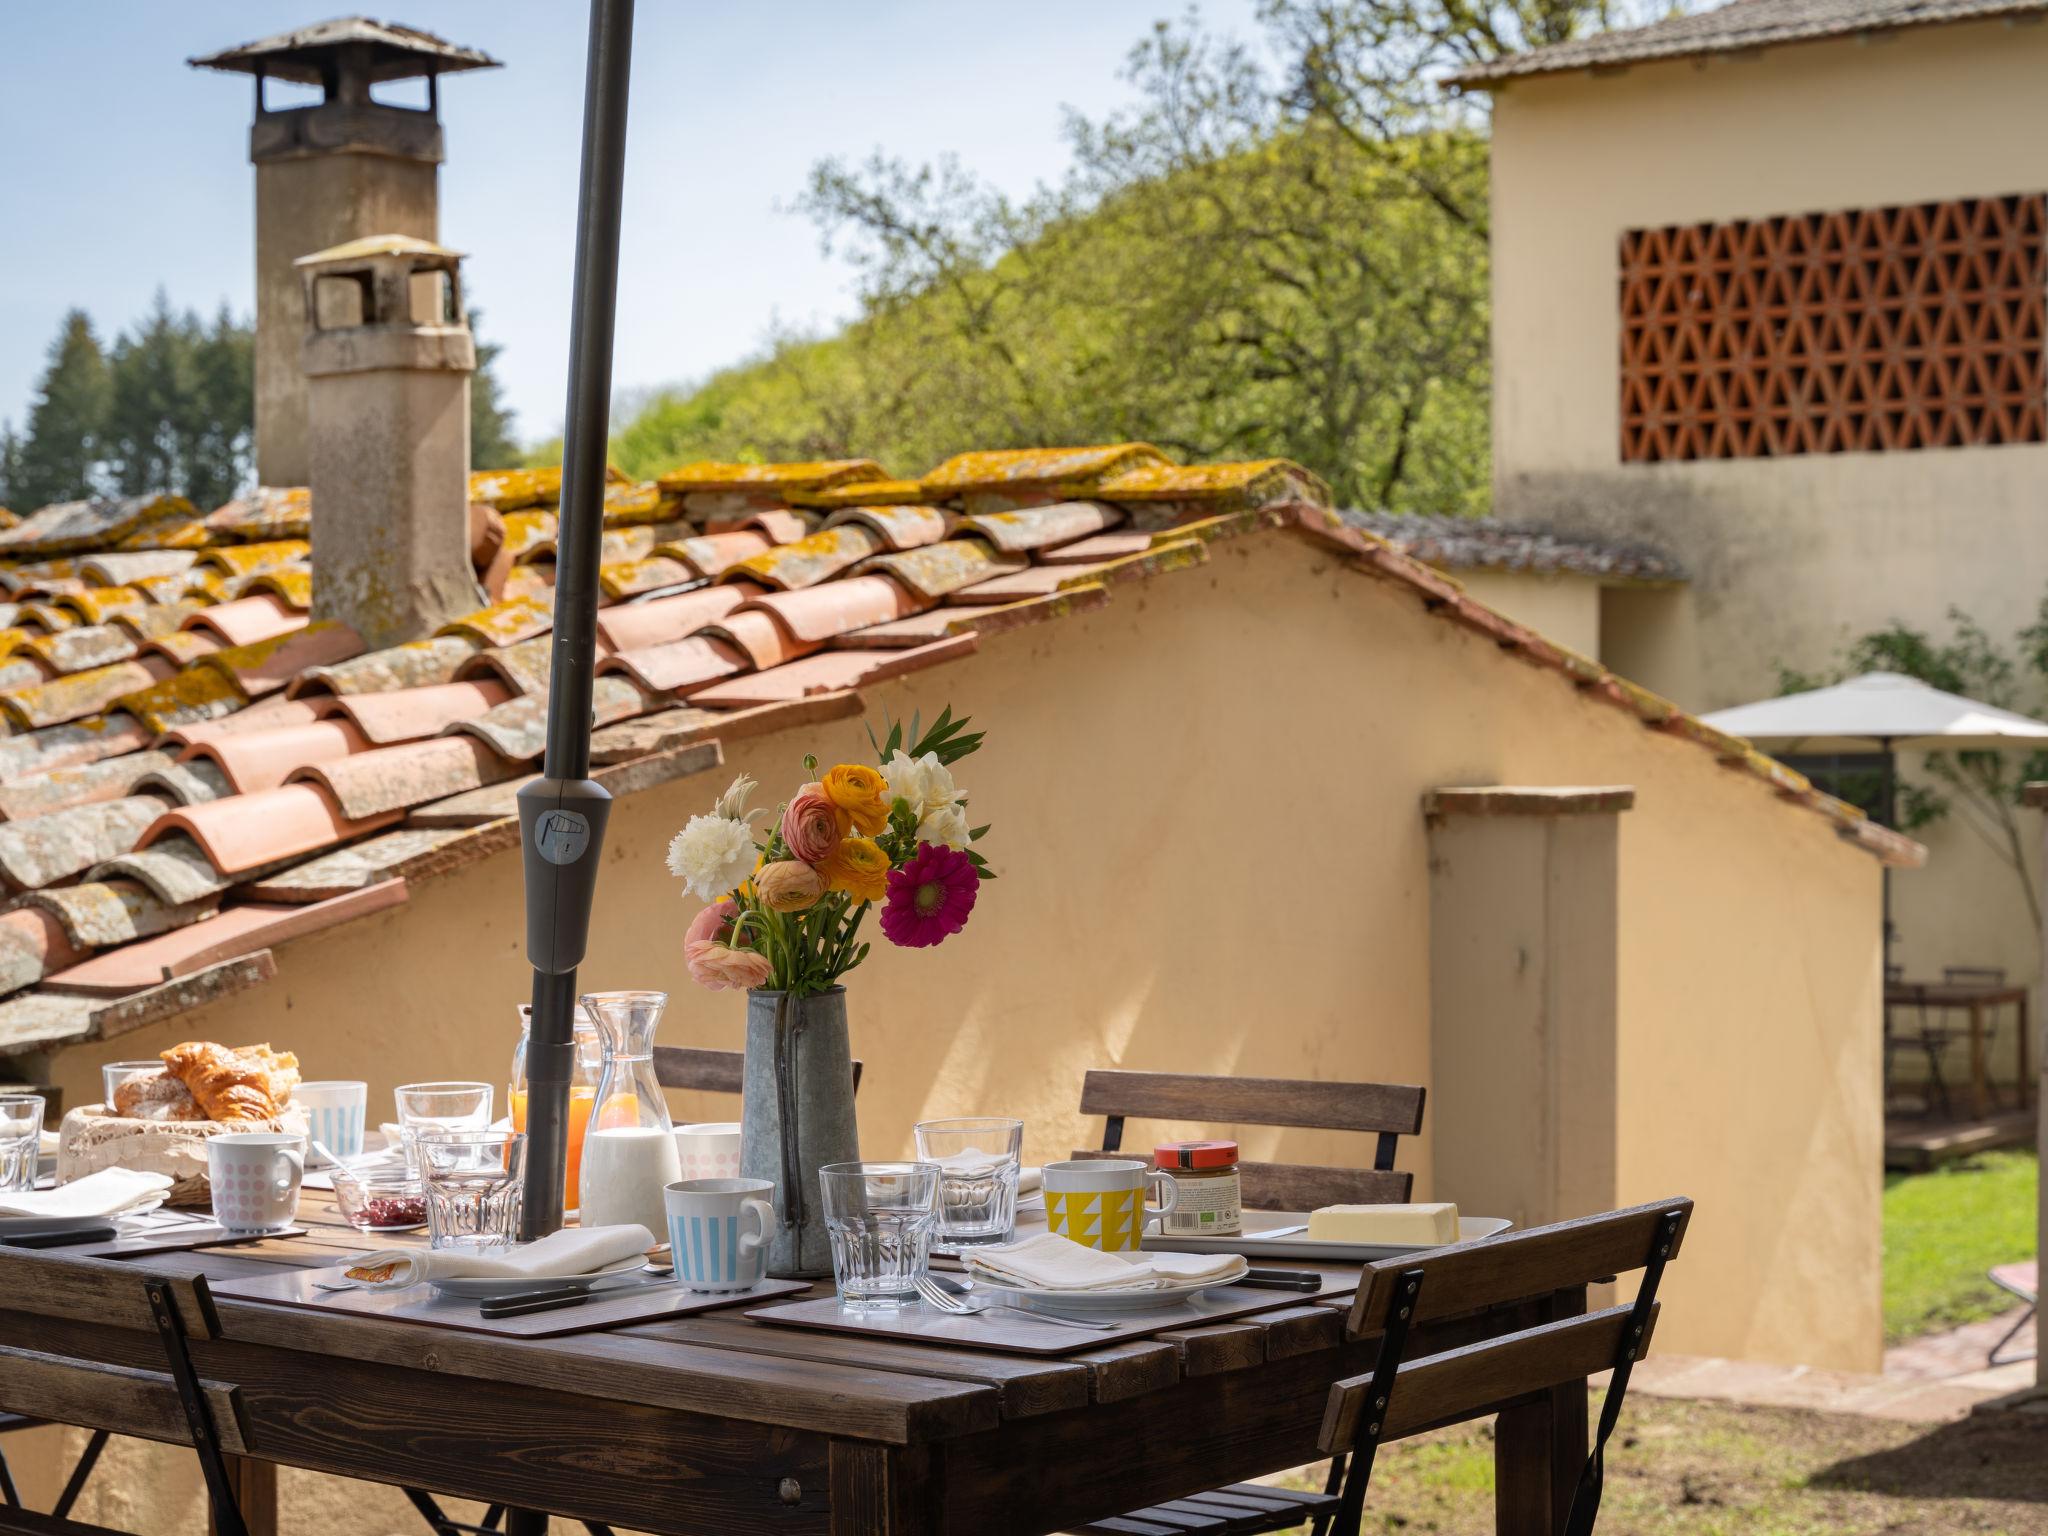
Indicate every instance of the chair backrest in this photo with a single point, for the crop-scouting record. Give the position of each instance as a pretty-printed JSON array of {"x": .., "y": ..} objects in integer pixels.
[
  {"x": 102, "y": 1291},
  {"x": 1388, "y": 1111},
  {"x": 688, "y": 1067},
  {"x": 1477, "y": 1379},
  {"x": 1975, "y": 975}
]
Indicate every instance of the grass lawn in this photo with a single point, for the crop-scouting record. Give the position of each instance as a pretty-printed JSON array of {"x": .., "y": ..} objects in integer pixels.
[
  {"x": 1717, "y": 1469},
  {"x": 1943, "y": 1229}
]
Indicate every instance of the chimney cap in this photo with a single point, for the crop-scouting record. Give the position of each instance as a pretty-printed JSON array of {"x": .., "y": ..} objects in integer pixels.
[
  {"x": 370, "y": 247},
  {"x": 306, "y": 54}
]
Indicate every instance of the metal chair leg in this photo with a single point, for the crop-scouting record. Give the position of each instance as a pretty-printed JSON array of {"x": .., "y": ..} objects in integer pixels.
[
  {"x": 75, "y": 1484},
  {"x": 8, "y": 1497},
  {"x": 2010, "y": 1334}
]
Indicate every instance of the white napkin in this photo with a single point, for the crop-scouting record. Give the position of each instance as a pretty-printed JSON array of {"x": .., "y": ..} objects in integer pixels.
[
  {"x": 1048, "y": 1261},
  {"x": 570, "y": 1252},
  {"x": 106, "y": 1193},
  {"x": 1029, "y": 1178}
]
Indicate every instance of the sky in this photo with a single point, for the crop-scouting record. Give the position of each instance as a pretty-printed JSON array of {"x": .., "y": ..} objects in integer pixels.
[{"x": 129, "y": 171}]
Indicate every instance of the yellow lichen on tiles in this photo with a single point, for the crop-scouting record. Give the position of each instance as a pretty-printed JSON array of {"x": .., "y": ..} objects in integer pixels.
[
  {"x": 861, "y": 493},
  {"x": 1039, "y": 468},
  {"x": 807, "y": 475},
  {"x": 96, "y": 605},
  {"x": 268, "y": 512},
  {"x": 525, "y": 530},
  {"x": 509, "y": 489},
  {"x": 626, "y": 578},
  {"x": 293, "y": 585},
  {"x": 809, "y": 560},
  {"x": 628, "y": 505},
  {"x": 205, "y": 587},
  {"x": 186, "y": 533},
  {"x": 196, "y": 693},
  {"x": 504, "y": 623},
  {"x": 252, "y": 559},
  {"x": 1250, "y": 483}
]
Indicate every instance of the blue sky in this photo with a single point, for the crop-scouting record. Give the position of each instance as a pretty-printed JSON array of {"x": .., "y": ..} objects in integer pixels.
[{"x": 129, "y": 171}]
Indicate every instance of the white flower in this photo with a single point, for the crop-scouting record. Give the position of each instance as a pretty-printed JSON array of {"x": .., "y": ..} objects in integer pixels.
[
  {"x": 947, "y": 824},
  {"x": 925, "y": 783},
  {"x": 712, "y": 855},
  {"x": 733, "y": 803}
]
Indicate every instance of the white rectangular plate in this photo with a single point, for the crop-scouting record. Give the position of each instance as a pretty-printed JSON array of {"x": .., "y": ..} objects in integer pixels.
[{"x": 1471, "y": 1229}]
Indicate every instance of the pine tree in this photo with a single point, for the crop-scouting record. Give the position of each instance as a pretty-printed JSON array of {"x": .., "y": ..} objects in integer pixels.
[
  {"x": 491, "y": 443},
  {"x": 59, "y": 454},
  {"x": 10, "y": 467},
  {"x": 181, "y": 411}
]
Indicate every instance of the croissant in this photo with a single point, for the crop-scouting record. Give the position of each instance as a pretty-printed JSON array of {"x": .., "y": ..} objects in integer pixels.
[
  {"x": 155, "y": 1096},
  {"x": 248, "y": 1084}
]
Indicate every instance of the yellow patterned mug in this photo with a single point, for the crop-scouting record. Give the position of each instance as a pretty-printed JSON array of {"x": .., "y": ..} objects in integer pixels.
[{"x": 1100, "y": 1201}]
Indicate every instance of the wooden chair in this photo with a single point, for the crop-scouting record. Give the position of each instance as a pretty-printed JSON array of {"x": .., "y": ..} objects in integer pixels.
[
  {"x": 1509, "y": 1374},
  {"x": 684, "y": 1066},
  {"x": 1387, "y": 1110},
  {"x": 173, "y": 1405}
]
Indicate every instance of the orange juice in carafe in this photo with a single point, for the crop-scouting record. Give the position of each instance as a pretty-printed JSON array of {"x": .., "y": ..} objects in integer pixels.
[
  {"x": 581, "y": 1101},
  {"x": 584, "y": 1075}
]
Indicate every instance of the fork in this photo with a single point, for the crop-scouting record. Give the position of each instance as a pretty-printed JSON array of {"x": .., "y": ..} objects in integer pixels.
[{"x": 961, "y": 1307}]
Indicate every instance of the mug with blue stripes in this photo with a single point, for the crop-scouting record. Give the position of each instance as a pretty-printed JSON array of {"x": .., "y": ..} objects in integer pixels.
[
  {"x": 334, "y": 1115},
  {"x": 718, "y": 1231}
]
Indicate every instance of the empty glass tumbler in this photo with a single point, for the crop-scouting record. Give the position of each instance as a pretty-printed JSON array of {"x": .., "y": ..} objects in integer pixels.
[
  {"x": 474, "y": 1182},
  {"x": 880, "y": 1217},
  {"x": 978, "y": 1161},
  {"x": 439, "y": 1107},
  {"x": 21, "y": 1131}
]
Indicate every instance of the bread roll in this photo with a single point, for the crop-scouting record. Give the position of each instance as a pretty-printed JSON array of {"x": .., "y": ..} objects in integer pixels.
[{"x": 155, "y": 1096}]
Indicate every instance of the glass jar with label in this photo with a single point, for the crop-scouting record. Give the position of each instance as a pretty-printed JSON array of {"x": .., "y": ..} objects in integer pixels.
[{"x": 1208, "y": 1202}]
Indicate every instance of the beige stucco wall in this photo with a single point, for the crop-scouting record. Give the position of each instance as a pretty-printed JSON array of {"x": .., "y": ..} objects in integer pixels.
[
  {"x": 1206, "y": 811},
  {"x": 1562, "y": 605},
  {"x": 1790, "y": 559}
]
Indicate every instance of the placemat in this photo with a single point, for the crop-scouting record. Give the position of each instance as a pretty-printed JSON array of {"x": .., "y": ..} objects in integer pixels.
[
  {"x": 164, "y": 1232},
  {"x": 420, "y": 1304},
  {"x": 1015, "y": 1332}
]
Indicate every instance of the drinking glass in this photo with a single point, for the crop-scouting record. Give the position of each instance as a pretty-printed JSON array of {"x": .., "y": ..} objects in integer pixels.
[
  {"x": 977, "y": 1161},
  {"x": 474, "y": 1182},
  {"x": 113, "y": 1073},
  {"x": 880, "y": 1216},
  {"x": 440, "y": 1107},
  {"x": 21, "y": 1130}
]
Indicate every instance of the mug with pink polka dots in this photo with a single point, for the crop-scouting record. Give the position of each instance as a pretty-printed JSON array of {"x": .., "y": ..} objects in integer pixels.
[{"x": 255, "y": 1177}]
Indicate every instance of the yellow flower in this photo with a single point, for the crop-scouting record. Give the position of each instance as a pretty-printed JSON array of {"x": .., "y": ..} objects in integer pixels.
[
  {"x": 859, "y": 867},
  {"x": 861, "y": 793}
]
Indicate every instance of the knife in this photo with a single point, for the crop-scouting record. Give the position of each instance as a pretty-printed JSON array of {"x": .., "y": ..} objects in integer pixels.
[
  {"x": 65, "y": 1239},
  {"x": 1260, "y": 1237},
  {"x": 1283, "y": 1279}
]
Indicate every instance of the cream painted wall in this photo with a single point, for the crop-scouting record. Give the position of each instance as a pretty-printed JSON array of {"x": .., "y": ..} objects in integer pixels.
[
  {"x": 1562, "y": 606},
  {"x": 1206, "y": 809},
  {"x": 1790, "y": 559}
]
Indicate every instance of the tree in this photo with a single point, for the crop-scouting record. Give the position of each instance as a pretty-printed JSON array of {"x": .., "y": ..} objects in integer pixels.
[
  {"x": 181, "y": 412},
  {"x": 491, "y": 443},
  {"x": 10, "y": 466},
  {"x": 60, "y": 451}
]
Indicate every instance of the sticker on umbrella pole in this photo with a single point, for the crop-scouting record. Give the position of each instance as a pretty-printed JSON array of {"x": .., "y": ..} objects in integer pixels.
[{"x": 561, "y": 836}]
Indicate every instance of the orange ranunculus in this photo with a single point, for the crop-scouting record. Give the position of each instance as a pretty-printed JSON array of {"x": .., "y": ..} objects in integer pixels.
[
  {"x": 859, "y": 867},
  {"x": 788, "y": 885},
  {"x": 862, "y": 793}
]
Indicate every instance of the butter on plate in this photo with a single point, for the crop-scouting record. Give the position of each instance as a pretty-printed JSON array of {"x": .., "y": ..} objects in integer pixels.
[{"x": 1388, "y": 1226}]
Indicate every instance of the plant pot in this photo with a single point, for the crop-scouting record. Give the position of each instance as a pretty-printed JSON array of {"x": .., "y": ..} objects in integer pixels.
[{"x": 797, "y": 1117}]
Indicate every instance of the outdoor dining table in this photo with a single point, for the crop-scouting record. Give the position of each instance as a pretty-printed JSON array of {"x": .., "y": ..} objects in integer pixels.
[
  {"x": 1975, "y": 1000},
  {"x": 714, "y": 1423}
]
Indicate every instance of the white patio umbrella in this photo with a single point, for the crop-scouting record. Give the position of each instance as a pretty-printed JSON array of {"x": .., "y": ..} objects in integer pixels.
[{"x": 1879, "y": 711}]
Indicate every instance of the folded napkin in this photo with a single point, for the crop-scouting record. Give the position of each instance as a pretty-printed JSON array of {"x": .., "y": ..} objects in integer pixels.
[
  {"x": 561, "y": 1255},
  {"x": 1048, "y": 1261},
  {"x": 106, "y": 1193},
  {"x": 1029, "y": 1178}
]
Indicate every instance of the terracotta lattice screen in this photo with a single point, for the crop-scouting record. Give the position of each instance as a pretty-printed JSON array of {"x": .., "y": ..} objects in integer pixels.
[{"x": 1874, "y": 329}]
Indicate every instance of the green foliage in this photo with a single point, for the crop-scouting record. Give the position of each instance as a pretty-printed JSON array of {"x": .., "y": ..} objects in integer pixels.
[
  {"x": 56, "y": 459},
  {"x": 181, "y": 407},
  {"x": 1254, "y": 261},
  {"x": 491, "y": 442},
  {"x": 1944, "y": 1229}
]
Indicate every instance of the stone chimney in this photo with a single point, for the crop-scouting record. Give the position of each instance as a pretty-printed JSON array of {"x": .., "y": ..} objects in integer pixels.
[
  {"x": 337, "y": 170},
  {"x": 387, "y": 357}
]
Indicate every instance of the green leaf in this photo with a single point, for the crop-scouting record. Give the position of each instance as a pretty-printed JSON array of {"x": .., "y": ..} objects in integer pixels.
[{"x": 975, "y": 834}]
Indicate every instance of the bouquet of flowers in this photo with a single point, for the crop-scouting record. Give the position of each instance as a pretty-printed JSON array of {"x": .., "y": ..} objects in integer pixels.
[{"x": 786, "y": 902}]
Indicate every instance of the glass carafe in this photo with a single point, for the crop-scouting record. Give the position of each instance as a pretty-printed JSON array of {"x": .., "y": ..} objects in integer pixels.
[
  {"x": 583, "y": 1077},
  {"x": 629, "y": 1147}
]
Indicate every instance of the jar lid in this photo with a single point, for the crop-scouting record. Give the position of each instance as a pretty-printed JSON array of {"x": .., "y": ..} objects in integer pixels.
[{"x": 1195, "y": 1154}]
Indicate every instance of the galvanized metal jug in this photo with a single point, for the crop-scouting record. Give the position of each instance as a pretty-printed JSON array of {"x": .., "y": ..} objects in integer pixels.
[{"x": 797, "y": 1117}]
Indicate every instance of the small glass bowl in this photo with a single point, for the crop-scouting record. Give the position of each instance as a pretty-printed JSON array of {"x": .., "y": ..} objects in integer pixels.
[{"x": 390, "y": 1200}]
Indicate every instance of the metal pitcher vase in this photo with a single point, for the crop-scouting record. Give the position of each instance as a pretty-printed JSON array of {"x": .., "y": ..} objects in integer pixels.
[{"x": 797, "y": 1117}]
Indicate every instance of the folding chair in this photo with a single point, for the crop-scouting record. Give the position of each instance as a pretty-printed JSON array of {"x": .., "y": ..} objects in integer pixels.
[
  {"x": 1387, "y": 1111},
  {"x": 2023, "y": 1281}
]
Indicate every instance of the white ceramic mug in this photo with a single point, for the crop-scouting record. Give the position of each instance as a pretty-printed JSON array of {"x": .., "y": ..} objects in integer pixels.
[
  {"x": 1100, "y": 1201},
  {"x": 709, "y": 1149},
  {"x": 334, "y": 1114},
  {"x": 706, "y": 1240},
  {"x": 255, "y": 1177}
]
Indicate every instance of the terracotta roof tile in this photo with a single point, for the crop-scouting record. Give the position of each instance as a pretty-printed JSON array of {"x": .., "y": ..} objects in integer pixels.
[
  {"x": 817, "y": 557},
  {"x": 76, "y": 650},
  {"x": 55, "y": 789},
  {"x": 232, "y": 932},
  {"x": 1039, "y": 469},
  {"x": 938, "y": 569},
  {"x": 901, "y": 634},
  {"x": 61, "y": 746},
  {"x": 523, "y": 668},
  {"x": 157, "y": 620},
  {"x": 1034, "y": 528},
  {"x": 173, "y": 868},
  {"x": 504, "y": 623},
  {"x": 269, "y": 714},
  {"x": 517, "y": 729},
  {"x": 508, "y": 489},
  {"x": 73, "y": 526},
  {"x": 247, "y": 620},
  {"x": 254, "y": 559},
  {"x": 1222, "y": 487},
  {"x": 406, "y": 714},
  {"x": 50, "y": 616},
  {"x": 679, "y": 666},
  {"x": 53, "y": 847},
  {"x": 706, "y": 475},
  {"x": 473, "y": 807},
  {"x": 186, "y": 698},
  {"x": 268, "y": 666},
  {"x": 22, "y": 672},
  {"x": 182, "y": 647},
  {"x": 245, "y": 832},
  {"x": 100, "y": 914},
  {"x": 412, "y": 665},
  {"x": 626, "y": 578},
  {"x": 662, "y": 619},
  {"x": 778, "y": 525},
  {"x": 899, "y": 527},
  {"x": 403, "y": 853},
  {"x": 292, "y": 586},
  {"x": 80, "y": 694},
  {"x": 254, "y": 760},
  {"x": 862, "y": 493},
  {"x": 829, "y": 672},
  {"x": 192, "y": 783},
  {"x": 529, "y": 530},
  {"x": 713, "y": 554},
  {"x": 385, "y": 781},
  {"x": 765, "y": 642},
  {"x": 1104, "y": 546},
  {"x": 96, "y": 605},
  {"x": 32, "y": 944},
  {"x": 269, "y": 512}
]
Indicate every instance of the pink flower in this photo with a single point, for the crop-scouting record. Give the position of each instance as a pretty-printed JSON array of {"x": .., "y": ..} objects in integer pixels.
[
  {"x": 715, "y": 964},
  {"x": 930, "y": 896},
  {"x": 810, "y": 825}
]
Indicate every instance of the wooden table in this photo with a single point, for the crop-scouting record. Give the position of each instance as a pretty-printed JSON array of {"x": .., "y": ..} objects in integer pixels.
[
  {"x": 718, "y": 1425},
  {"x": 1976, "y": 1001}
]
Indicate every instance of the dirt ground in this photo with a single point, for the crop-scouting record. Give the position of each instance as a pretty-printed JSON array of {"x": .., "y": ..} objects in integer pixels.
[{"x": 1715, "y": 1469}]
